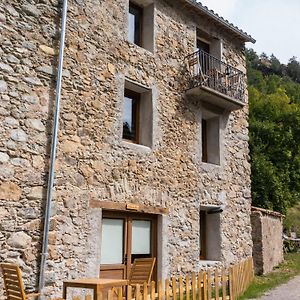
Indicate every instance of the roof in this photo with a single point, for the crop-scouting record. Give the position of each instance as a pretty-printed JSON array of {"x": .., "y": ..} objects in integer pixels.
[
  {"x": 267, "y": 211},
  {"x": 210, "y": 13}
]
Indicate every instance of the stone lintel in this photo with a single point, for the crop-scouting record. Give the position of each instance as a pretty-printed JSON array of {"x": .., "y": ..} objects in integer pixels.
[{"x": 129, "y": 207}]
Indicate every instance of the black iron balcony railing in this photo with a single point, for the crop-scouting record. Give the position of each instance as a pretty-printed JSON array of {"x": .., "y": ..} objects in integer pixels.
[{"x": 208, "y": 71}]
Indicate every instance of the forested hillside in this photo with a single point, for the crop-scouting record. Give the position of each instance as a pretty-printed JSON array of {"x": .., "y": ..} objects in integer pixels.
[{"x": 274, "y": 124}]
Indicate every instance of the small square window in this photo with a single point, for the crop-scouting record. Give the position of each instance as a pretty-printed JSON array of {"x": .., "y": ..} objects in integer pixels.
[
  {"x": 131, "y": 116},
  {"x": 135, "y": 21}
]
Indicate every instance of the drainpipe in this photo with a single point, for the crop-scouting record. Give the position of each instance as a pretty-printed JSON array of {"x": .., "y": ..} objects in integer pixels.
[{"x": 53, "y": 148}]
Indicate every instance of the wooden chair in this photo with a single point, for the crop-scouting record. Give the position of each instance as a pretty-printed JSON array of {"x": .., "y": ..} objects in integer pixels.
[
  {"x": 198, "y": 76},
  {"x": 141, "y": 271},
  {"x": 13, "y": 283}
]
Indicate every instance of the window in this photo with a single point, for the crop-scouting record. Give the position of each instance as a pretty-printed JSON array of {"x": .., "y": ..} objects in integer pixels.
[
  {"x": 202, "y": 234},
  {"x": 135, "y": 19},
  {"x": 210, "y": 236},
  {"x": 141, "y": 24},
  {"x": 137, "y": 114},
  {"x": 204, "y": 140},
  {"x": 131, "y": 116},
  {"x": 210, "y": 140},
  {"x": 208, "y": 43},
  {"x": 201, "y": 45}
]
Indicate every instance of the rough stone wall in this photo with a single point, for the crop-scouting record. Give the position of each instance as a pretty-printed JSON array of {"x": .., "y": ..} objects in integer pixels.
[
  {"x": 267, "y": 240},
  {"x": 93, "y": 162}
]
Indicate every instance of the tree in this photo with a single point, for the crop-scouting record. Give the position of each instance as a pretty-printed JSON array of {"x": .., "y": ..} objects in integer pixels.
[
  {"x": 274, "y": 129},
  {"x": 293, "y": 69},
  {"x": 276, "y": 66}
]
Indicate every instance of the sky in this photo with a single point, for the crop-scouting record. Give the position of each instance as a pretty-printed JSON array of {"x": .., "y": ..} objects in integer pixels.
[{"x": 275, "y": 24}]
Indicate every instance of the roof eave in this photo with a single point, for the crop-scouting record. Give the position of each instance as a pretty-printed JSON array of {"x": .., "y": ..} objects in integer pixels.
[{"x": 243, "y": 35}]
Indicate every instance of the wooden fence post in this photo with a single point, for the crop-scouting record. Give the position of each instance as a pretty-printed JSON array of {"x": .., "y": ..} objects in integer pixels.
[
  {"x": 216, "y": 285},
  {"x": 180, "y": 288},
  {"x": 152, "y": 292},
  {"x": 174, "y": 288},
  {"x": 231, "y": 295},
  {"x": 167, "y": 289},
  {"x": 209, "y": 284},
  {"x": 187, "y": 287},
  {"x": 194, "y": 287}
]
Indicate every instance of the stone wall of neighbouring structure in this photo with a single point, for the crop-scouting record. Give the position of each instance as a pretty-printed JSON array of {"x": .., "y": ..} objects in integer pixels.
[
  {"x": 267, "y": 239},
  {"x": 93, "y": 163}
]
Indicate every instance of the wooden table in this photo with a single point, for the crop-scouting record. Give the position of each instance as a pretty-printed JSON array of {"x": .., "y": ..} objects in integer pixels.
[{"x": 96, "y": 284}]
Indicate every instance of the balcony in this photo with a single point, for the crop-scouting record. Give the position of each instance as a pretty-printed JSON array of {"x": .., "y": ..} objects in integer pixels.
[{"x": 215, "y": 82}]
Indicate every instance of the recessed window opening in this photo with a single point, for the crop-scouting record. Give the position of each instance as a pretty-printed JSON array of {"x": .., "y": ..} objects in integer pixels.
[
  {"x": 135, "y": 21},
  {"x": 137, "y": 118},
  {"x": 210, "y": 140},
  {"x": 204, "y": 140},
  {"x": 202, "y": 234},
  {"x": 202, "y": 45},
  {"x": 210, "y": 237},
  {"x": 141, "y": 24},
  {"x": 208, "y": 43},
  {"x": 131, "y": 116}
]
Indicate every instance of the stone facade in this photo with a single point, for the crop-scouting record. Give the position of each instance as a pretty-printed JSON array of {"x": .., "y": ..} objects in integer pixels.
[
  {"x": 93, "y": 162},
  {"x": 267, "y": 239}
]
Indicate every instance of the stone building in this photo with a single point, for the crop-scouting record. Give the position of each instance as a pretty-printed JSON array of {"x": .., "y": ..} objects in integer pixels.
[{"x": 152, "y": 142}]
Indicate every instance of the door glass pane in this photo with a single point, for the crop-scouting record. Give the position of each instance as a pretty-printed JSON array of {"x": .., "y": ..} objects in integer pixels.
[
  {"x": 112, "y": 241},
  {"x": 141, "y": 237}
]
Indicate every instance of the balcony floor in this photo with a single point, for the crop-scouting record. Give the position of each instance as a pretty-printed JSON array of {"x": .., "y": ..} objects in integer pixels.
[{"x": 209, "y": 95}]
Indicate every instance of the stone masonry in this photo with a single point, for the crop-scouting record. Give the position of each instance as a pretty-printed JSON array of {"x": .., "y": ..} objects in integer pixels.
[
  {"x": 93, "y": 163},
  {"x": 267, "y": 239}
]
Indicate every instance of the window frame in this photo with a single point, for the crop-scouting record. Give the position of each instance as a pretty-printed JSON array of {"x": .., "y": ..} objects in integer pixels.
[
  {"x": 204, "y": 140},
  {"x": 137, "y": 11},
  {"x": 203, "y": 220},
  {"x": 210, "y": 139},
  {"x": 205, "y": 47},
  {"x": 135, "y": 115}
]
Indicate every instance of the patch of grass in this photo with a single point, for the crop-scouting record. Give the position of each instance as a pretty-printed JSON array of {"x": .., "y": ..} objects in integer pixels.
[{"x": 281, "y": 274}]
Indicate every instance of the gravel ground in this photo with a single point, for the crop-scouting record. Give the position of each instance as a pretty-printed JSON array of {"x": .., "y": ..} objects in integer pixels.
[{"x": 287, "y": 291}]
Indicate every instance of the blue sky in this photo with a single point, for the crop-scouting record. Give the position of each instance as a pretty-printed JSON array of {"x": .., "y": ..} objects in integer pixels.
[{"x": 275, "y": 24}]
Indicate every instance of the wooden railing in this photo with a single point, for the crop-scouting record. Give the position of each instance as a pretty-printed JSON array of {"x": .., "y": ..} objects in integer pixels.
[{"x": 216, "y": 284}]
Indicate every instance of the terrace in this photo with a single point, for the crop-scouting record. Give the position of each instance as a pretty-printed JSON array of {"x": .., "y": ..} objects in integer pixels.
[{"x": 215, "y": 82}]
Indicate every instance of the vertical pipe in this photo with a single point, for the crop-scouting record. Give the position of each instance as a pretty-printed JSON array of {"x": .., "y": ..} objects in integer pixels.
[{"x": 44, "y": 253}]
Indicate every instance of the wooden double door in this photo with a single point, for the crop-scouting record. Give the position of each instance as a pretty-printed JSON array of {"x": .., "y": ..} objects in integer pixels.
[{"x": 126, "y": 236}]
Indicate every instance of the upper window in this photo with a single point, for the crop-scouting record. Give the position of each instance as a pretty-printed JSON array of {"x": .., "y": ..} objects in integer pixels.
[
  {"x": 201, "y": 45},
  {"x": 208, "y": 44},
  {"x": 131, "y": 116},
  {"x": 141, "y": 24},
  {"x": 135, "y": 21}
]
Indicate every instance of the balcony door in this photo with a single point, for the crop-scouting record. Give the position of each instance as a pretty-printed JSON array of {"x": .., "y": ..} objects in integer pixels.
[{"x": 126, "y": 237}]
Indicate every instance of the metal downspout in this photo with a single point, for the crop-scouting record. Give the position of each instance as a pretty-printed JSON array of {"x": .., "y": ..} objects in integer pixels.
[{"x": 44, "y": 254}]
